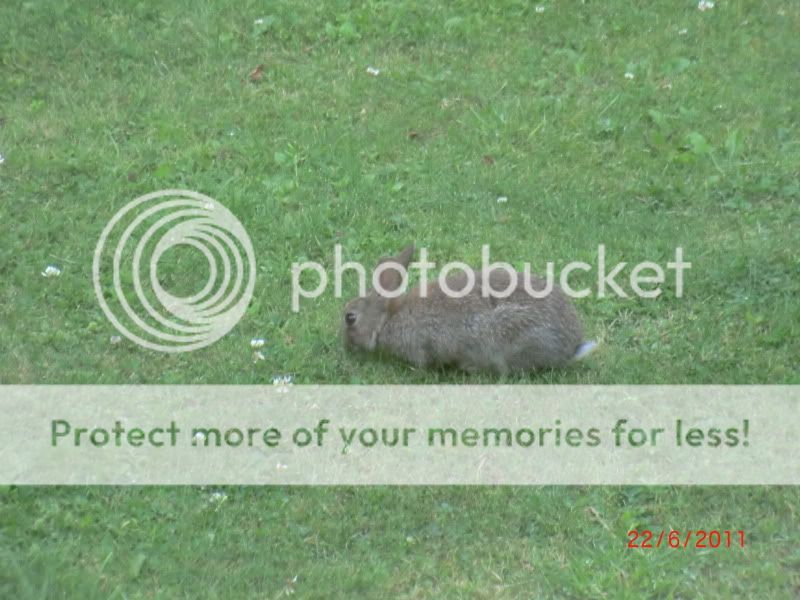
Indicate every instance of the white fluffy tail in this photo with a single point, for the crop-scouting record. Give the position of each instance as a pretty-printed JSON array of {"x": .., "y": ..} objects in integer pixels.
[{"x": 584, "y": 350}]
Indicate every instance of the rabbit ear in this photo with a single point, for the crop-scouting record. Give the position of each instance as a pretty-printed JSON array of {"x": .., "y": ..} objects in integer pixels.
[
  {"x": 391, "y": 279},
  {"x": 405, "y": 256}
]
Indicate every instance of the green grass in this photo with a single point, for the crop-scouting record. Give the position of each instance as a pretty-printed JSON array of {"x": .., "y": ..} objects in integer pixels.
[{"x": 101, "y": 102}]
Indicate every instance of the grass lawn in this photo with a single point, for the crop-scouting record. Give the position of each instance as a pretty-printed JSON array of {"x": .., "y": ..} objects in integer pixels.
[{"x": 639, "y": 125}]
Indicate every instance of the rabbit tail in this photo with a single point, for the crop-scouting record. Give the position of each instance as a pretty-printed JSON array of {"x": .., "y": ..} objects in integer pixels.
[{"x": 584, "y": 349}]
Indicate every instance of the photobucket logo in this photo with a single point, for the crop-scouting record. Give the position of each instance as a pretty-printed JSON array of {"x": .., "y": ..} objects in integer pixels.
[
  {"x": 609, "y": 280},
  {"x": 133, "y": 243}
]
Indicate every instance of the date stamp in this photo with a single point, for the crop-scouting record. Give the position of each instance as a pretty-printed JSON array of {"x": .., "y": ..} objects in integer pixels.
[{"x": 646, "y": 539}]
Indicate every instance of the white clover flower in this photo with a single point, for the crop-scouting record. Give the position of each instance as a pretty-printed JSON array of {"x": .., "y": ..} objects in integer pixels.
[
  {"x": 217, "y": 497},
  {"x": 51, "y": 271},
  {"x": 282, "y": 382},
  {"x": 373, "y": 71},
  {"x": 540, "y": 9},
  {"x": 683, "y": 31},
  {"x": 257, "y": 343},
  {"x": 705, "y": 5},
  {"x": 502, "y": 199},
  {"x": 2, "y": 159},
  {"x": 629, "y": 75},
  {"x": 258, "y": 22}
]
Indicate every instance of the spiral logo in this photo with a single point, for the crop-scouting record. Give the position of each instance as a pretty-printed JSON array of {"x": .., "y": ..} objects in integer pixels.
[{"x": 138, "y": 237}]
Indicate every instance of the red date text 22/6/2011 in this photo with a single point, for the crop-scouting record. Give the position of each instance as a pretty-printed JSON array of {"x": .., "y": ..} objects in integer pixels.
[{"x": 693, "y": 538}]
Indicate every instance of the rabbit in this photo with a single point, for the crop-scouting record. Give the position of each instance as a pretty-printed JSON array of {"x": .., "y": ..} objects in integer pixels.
[{"x": 515, "y": 333}]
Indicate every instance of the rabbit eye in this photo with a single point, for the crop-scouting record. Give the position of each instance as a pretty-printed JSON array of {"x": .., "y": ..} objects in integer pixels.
[{"x": 350, "y": 318}]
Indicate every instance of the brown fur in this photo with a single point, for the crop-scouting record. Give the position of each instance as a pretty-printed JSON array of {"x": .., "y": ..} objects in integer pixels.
[{"x": 474, "y": 333}]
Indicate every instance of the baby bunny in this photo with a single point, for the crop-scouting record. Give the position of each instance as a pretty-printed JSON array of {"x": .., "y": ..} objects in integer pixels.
[{"x": 516, "y": 333}]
